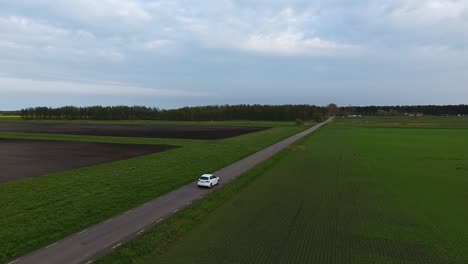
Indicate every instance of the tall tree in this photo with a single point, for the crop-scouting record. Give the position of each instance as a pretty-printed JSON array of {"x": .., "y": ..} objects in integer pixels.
[{"x": 332, "y": 109}]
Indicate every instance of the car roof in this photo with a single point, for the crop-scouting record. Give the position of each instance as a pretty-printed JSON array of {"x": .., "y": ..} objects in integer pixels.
[{"x": 206, "y": 175}]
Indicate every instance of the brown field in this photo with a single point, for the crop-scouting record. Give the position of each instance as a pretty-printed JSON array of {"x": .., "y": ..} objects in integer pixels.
[
  {"x": 27, "y": 158},
  {"x": 120, "y": 130}
]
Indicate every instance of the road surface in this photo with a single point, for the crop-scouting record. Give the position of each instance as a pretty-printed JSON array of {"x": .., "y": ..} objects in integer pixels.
[{"x": 96, "y": 241}]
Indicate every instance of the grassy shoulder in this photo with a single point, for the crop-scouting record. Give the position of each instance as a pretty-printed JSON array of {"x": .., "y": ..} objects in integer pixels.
[
  {"x": 38, "y": 211},
  {"x": 346, "y": 194}
]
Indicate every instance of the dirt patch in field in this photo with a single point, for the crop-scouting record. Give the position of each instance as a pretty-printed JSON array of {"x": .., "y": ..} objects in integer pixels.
[
  {"x": 150, "y": 131},
  {"x": 27, "y": 158}
]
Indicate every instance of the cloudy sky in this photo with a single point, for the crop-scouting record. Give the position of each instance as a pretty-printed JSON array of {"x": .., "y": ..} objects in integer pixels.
[{"x": 172, "y": 53}]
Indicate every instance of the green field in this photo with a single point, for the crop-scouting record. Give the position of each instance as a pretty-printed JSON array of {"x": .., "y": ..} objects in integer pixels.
[
  {"x": 350, "y": 193},
  {"x": 405, "y": 122},
  {"x": 38, "y": 211},
  {"x": 9, "y": 118}
]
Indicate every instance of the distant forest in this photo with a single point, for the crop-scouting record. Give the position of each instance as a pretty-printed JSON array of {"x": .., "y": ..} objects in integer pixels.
[
  {"x": 437, "y": 110},
  {"x": 233, "y": 112},
  {"x": 200, "y": 113}
]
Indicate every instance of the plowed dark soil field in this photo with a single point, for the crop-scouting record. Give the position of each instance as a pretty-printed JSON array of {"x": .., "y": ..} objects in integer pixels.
[
  {"x": 150, "y": 131},
  {"x": 27, "y": 158}
]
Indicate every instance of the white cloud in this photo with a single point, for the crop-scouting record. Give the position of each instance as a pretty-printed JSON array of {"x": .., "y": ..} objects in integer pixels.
[
  {"x": 285, "y": 32},
  {"x": 128, "y": 11},
  {"x": 156, "y": 44},
  {"x": 295, "y": 44},
  {"x": 111, "y": 55},
  {"x": 440, "y": 53},
  {"x": 429, "y": 10},
  {"x": 227, "y": 25},
  {"x": 24, "y": 37},
  {"x": 114, "y": 12},
  {"x": 9, "y": 45},
  {"x": 9, "y": 86},
  {"x": 29, "y": 30},
  {"x": 427, "y": 13}
]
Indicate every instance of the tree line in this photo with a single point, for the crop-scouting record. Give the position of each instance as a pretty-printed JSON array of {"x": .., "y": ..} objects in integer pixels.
[
  {"x": 232, "y": 112},
  {"x": 399, "y": 110},
  {"x": 199, "y": 113}
]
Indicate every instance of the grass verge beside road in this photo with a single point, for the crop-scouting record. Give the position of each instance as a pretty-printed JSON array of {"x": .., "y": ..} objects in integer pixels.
[{"x": 41, "y": 210}]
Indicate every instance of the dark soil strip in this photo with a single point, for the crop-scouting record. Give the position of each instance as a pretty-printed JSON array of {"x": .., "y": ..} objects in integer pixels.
[
  {"x": 150, "y": 131},
  {"x": 27, "y": 158}
]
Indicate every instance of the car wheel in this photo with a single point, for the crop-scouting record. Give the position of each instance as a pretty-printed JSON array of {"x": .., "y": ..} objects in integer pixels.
[{"x": 210, "y": 185}]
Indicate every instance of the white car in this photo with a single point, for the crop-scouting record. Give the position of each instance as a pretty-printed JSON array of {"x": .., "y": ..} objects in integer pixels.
[{"x": 208, "y": 180}]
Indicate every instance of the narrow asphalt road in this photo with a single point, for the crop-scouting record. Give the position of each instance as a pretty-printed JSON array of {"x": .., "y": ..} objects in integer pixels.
[{"x": 96, "y": 241}]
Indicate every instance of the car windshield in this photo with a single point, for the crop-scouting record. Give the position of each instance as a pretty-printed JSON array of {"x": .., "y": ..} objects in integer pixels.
[{"x": 204, "y": 178}]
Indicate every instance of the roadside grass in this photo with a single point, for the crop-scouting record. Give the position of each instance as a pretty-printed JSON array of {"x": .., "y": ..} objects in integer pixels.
[
  {"x": 346, "y": 194},
  {"x": 38, "y": 211}
]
